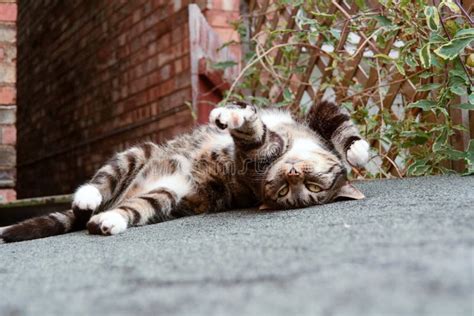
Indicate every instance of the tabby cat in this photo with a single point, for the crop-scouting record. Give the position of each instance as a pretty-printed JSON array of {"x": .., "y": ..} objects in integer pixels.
[{"x": 246, "y": 157}]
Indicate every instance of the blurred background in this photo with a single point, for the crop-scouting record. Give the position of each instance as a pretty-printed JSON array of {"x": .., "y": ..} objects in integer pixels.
[{"x": 83, "y": 79}]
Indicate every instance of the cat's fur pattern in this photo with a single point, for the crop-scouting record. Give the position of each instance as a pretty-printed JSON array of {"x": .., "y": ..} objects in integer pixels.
[{"x": 242, "y": 159}]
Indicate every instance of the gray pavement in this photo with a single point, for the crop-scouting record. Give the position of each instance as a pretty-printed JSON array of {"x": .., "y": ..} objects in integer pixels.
[{"x": 405, "y": 250}]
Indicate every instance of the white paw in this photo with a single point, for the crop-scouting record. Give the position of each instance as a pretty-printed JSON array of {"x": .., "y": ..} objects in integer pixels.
[
  {"x": 107, "y": 223},
  {"x": 87, "y": 197},
  {"x": 358, "y": 153},
  {"x": 231, "y": 118}
]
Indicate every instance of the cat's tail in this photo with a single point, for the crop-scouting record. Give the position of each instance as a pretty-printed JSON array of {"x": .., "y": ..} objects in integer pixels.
[{"x": 44, "y": 226}]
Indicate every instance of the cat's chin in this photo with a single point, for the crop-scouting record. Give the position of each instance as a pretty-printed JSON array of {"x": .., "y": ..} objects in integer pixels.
[{"x": 266, "y": 207}]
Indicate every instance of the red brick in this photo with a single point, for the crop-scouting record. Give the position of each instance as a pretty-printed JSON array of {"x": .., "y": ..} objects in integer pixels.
[
  {"x": 165, "y": 72},
  {"x": 220, "y": 18},
  {"x": 7, "y": 157},
  {"x": 7, "y": 73},
  {"x": 8, "y": 12},
  {"x": 7, "y": 195},
  {"x": 227, "y": 5},
  {"x": 178, "y": 65},
  {"x": 131, "y": 63},
  {"x": 8, "y": 134},
  {"x": 7, "y": 115},
  {"x": 164, "y": 42},
  {"x": 167, "y": 87},
  {"x": 227, "y": 34}
]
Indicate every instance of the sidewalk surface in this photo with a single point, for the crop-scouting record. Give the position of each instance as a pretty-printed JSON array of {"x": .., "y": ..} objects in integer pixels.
[{"x": 405, "y": 250}]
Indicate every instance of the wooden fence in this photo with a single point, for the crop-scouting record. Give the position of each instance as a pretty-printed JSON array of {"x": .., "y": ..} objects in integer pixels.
[{"x": 299, "y": 71}]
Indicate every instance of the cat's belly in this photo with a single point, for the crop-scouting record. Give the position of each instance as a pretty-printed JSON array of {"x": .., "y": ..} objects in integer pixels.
[{"x": 217, "y": 196}]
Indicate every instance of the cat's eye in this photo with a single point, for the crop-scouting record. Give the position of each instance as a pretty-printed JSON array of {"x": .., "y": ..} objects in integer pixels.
[
  {"x": 283, "y": 190},
  {"x": 313, "y": 187}
]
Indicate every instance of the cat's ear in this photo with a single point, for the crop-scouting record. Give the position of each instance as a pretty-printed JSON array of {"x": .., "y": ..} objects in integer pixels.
[{"x": 349, "y": 192}]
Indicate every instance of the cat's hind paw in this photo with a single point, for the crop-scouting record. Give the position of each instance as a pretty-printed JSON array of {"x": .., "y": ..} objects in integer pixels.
[
  {"x": 231, "y": 117},
  {"x": 358, "y": 153},
  {"x": 87, "y": 197},
  {"x": 107, "y": 223}
]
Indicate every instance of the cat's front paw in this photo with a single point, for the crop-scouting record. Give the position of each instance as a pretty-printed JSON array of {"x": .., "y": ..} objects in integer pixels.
[
  {"x": 107, "y": 223},
  {"x": 87, "y": 197},
  {"x": 231, "y": 117},
  {"x": 358, "y": 153}
]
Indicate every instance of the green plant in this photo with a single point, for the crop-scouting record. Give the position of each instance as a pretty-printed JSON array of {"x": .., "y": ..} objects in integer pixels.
[{"x": 417, "y": 57}]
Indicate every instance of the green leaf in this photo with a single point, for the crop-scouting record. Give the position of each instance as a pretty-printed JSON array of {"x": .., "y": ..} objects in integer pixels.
[
  {"x": 435, "y": 38},
  {"x": 461, "y": 128},
  {"x": 464, "y": 33},
  {"x": 454, "y": 154},
  {"x": 458, "y": 73},
  {"x": 458, "y": 89},
  {"x": 336, "y": 33},
  {"x": 451, "y": 50},
  {"x": 432, "y": 17},
  {"x": 411, "y": 61},
  {"x": 360, "y": 4},
  {"x": 425, "y": 56},
  {"x": 224, "y": 64},
  {"x": 383, "y": 21},
  {"x": 470, "y": 158},
  {"x": 471, "y": 98},
  {"x": 323, "y": 15},
  {"x": 464, "y": 106},
  {"x": 425, "y": 105},
  {"x": 400, "y": 68},
  {"x": 416, "y": 137},
  {"x": 443, "y": 110},
  {"x": 440, "y": 141},
  {"x": 451, "y": 5},
  {"x": 260, "y": 101},
  {"x": 383, "y": 56},
  {"x": 429, "y": 87},
  {"x": 426, "y": 74},
  {"x": 287, "y": 95},
  {"x": 418, "y": 168},
  {"x": 348, "y": 106}
]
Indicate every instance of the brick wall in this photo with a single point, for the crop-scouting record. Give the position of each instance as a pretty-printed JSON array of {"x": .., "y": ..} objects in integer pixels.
[
  {"x": 220, "y": 14},
  {"x": 95, "y": 77},
  {"x": 8, "y": 13}
]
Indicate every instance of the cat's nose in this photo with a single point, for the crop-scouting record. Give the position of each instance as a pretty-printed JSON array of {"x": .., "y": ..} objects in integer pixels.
[
  {"x": 294, "y": 176},
  {"x": 293, "y": 172}
]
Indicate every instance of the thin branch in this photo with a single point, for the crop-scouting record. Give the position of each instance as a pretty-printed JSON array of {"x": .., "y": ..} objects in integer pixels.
[
  {"x": 382, "y": 123},
  {"x": 250, "y": 64},
  {"x": 385, "y": 156},
  {"x": 464, "y": 12},
  {"x": 381, "y": 85}
]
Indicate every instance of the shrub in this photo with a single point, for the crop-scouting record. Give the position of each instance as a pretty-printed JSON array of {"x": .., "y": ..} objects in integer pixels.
[{"x": 401, "y": 68}]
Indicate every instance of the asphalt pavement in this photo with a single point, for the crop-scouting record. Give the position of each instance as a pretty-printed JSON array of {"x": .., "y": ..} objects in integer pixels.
[{"x": 407, "y": 249}]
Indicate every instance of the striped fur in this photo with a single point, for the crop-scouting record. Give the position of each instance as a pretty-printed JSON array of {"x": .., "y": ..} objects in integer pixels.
[
  {"x": 245, "y": 157},
  {"x": 336, "y": 127},
  {"x": 49, "y": 225}
]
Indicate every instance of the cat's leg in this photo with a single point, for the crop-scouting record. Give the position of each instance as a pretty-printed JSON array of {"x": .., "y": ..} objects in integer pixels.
[
  {"x": 110, "y": 180},
  {"x": 243, "y": 123},
  {"x": 335, "y": 126},
  {"x": 155, "y": 205}
]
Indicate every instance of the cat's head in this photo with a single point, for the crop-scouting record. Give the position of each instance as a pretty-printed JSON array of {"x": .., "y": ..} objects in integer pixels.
[{"x": 310, "y": 175}]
